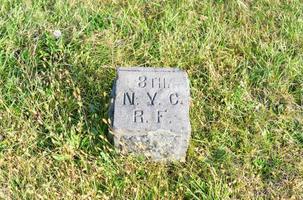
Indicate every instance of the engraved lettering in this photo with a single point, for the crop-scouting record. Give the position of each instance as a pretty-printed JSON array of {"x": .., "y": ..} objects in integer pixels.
[
  {"x": 138, "y": 114},
  {"x": 142, "y": 83},
  {"x": 160, "y": 115},
  {"x": 152, "y": 83},
  {"x": 155, "y": 82},
  {"x": 152, "y": 98},
  {"x": 159, "y": 82},
  {"x": 173, "y": 98},
  {"x": 130, "y": 99}
]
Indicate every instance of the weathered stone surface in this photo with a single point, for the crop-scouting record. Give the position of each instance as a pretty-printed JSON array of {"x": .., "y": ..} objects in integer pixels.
[{"x": 150, "y": 112}]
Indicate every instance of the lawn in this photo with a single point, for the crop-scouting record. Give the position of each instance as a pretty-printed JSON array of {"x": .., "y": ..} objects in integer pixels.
[{"x": 244, "y": 59}]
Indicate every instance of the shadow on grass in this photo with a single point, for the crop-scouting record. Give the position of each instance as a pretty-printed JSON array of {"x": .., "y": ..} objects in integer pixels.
[
  {"x": 95, "y": 88},
  {"x": 77, "y": 93}
]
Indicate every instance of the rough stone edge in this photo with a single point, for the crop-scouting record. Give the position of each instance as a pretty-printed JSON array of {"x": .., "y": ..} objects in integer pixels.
[{"x": 119, "y": 133}]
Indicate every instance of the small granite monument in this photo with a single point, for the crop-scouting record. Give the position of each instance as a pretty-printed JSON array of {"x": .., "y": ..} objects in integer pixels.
[{"x": 150, "y": 112}]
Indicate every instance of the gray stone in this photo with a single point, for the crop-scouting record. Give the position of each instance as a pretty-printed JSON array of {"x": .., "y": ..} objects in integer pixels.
[{"x": 150, "y": 112}]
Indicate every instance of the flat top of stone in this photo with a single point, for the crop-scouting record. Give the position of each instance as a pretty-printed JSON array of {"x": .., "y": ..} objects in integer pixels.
[
  {"x": 149, "y": 69},
  {"x": 151, "y": 99}
]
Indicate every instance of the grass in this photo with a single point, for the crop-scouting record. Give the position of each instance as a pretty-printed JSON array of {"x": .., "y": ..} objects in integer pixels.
[{"x": 244, "y": 59}]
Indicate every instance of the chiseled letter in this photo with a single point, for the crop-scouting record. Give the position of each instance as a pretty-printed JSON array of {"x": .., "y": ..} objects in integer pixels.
[
  {"x": 173, "y": 98},
  {"x": 138, "y": 114},
  {"x": 160, "y": 115},
  {"x": 152, "y": 98},
  {"x": 131, "y": 99}
]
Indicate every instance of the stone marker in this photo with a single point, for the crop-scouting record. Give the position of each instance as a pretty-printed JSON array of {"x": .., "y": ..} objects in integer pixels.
[{"x": 150, "y": 112}]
